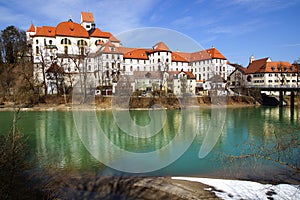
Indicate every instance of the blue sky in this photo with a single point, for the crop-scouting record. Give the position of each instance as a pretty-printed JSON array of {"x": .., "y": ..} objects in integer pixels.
[{"x": 238, "y": 28}]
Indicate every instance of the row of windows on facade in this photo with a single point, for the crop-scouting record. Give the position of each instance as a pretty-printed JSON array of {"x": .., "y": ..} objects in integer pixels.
[
  {"x": 208, "y": 61},
  {"x": 275, "y": 81},
  {"x": 66, "y": 50},
  {"x": 275, "y": 74},
  {"x": 66, "y": 41}
]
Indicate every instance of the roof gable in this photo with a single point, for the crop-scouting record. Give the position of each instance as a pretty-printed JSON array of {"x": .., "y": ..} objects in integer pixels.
[
  {"x": 31, "y": 28},
  {"x": 161, "y": 46}
]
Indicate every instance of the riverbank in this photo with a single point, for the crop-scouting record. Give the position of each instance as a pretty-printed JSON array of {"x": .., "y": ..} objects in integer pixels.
[
  {"x": 54, "y": 103},
  {"x": 89, "y": 186}
]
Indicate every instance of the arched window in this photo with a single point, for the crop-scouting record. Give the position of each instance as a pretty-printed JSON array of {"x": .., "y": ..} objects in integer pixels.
[
  {"x": 81, "y": 43},
  {"x": 37, "y": 50},
  {"x": 65, "y": 41},
  {"x": 98, "y": 42}
]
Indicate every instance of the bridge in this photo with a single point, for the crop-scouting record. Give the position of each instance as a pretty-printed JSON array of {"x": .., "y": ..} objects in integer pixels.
[{"x": 281, "y": 89}]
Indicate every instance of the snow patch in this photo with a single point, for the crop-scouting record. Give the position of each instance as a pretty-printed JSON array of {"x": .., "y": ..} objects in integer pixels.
[{"x": 236, "y": 189}]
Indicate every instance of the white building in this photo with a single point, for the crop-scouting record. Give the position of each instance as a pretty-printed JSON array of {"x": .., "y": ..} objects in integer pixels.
[
  {"x": 83, "y": 48},
  {"x": 67, "y": 45},
  {"x": 265, "y": 73}
]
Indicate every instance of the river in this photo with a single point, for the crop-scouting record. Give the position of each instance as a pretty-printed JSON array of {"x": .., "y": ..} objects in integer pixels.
[{"x": 257, "y": 143}]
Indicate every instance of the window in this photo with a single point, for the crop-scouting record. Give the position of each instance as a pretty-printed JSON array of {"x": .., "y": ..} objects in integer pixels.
[
  {"x": 36, "y": 41},
  {"x": 65, "y": 41},
  {"x": 50, "y": 42},
  {"x": 37, "y": 50},
  {"x": 66, "y": 49},
  {"x": 98, "y": 42},
  {"x": 131, "y": 68},
  {"x": 81, "y": 50},
  {"x": 158, "y": 53},
  {"x": 89, "y": 68},
  {"x": 81, "y": 43},
  {"x": 124, "y": 68},
  {"x": 88, "y": 26}
]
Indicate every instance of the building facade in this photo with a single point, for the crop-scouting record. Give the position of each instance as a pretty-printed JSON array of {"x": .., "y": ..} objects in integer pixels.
[
  {"x": 77, "y": 49},
  {"x": 265, "y": 73}
]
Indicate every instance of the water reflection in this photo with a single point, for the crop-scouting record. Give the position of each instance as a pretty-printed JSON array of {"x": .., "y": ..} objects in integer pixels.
[{"x": 54, "y": 140}]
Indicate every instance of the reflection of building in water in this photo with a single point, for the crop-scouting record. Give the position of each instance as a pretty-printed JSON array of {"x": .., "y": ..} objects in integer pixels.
[
  {"x": 262, "y": 123},
  {"x": 57, "y": 141}
]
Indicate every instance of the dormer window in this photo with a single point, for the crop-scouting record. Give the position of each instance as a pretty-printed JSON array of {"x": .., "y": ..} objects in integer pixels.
[{"x": 273, "y": 68}]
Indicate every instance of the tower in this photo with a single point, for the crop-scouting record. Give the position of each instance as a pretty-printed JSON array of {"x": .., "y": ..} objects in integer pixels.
[
  {"x": 87, "y": 20},
  {"x": 251, "y": 59}
]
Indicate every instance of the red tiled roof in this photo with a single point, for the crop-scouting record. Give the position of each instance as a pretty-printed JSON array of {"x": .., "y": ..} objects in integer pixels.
[
  {"x": 176, "y": 57},
  {"x": 98, "y": 33},
  {"x": 47, "y": 31},
  {"x": 256, "y": 66},
  {"x": 31, "y": 28},
  {"x": 190, "y": 74},
  {"x": 161, "y": 46},
  {"x": 212, "y": 53},
  {"x": 108, "y": 46},
  {"x": 113, "y": 39},
  {"x": 136, "y": 54},
  {"x": 87, "y": 17},
  {"x": 71, "y": 29},
  {"x": 279, "y": 67},
  {"x": 125, "y": 50},
  {"x": 266, "y": 66}
]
